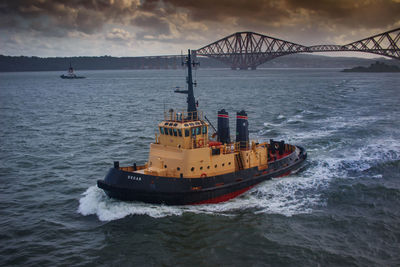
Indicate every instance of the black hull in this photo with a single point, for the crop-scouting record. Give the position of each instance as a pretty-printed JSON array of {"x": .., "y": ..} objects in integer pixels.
[{"x": 182, "y": 191}]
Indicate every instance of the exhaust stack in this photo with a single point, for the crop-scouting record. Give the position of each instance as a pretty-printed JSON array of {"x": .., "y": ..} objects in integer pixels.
[
  {"x": 223, "y": 127},
  {"x": 242, "y": 129}
]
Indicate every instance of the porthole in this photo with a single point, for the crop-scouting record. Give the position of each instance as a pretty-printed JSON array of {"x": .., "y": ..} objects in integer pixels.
[
  {"x": 216, "y": 166},
  {"x": 208, "y": 167},
  {"x": 178, "y": 169},
  {"x": 165, "y": 166},
  {"x": 192, "y": 169},
  {"x": 229, "y": 163},
  {"x": 223, "y": 164},
  {"x": 201, "y": 167}
]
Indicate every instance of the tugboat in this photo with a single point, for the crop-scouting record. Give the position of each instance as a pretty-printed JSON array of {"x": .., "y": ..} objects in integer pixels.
[
  {"x": 71, "y": 74},
  {"x": 185, "y": 166}
]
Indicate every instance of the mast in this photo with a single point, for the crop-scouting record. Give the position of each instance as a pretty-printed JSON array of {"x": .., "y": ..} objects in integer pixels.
[
  {"x": 190, "y": 98},
  {"x": 70, "y": 70},
  {"x": 191, "y": 101}
]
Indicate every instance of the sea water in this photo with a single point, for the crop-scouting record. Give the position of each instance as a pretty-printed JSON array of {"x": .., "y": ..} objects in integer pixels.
[{"x": 58, "y": 137}]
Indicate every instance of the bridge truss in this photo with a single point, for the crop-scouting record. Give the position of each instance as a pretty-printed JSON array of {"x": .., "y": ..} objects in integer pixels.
[{"x": 248, "y": 49}]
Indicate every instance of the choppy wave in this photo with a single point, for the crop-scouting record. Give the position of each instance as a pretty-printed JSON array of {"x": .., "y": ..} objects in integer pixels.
[
  {"x": 296, "y": 194},
  {"x": 286, "y": 196},
  {"x": 57, "y": 136}
]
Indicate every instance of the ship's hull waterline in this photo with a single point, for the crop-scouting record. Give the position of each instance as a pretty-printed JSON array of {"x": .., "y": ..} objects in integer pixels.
[{"x": 129, "y": 186}]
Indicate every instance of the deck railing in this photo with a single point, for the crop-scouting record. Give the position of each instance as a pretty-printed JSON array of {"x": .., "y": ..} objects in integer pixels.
[{"x": 182, "y": 116}]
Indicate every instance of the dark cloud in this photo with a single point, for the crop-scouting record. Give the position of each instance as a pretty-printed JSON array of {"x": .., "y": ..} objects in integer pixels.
[
  {"x": 198, "y": 22},
  {"x": 80, "y": 15},
  {"x": 355, "y": 13},
  {"x": 152, "y": 24},
  {"x": 350, "y": 13},
  {"x": 89, "y": 16}
]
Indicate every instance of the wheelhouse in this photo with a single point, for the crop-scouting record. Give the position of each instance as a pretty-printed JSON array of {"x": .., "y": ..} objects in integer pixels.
[{"x": 185, "y": 130}]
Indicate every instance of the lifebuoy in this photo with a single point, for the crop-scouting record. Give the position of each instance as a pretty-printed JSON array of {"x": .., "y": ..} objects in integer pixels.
[
  {"x": 203, "y": 175},
  {"x": 200, "y": 142}
]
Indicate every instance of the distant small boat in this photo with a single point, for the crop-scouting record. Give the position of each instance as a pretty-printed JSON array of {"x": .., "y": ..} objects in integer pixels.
[
  {"x": 179, "y": 90},
  {"x": 71, "y": 74}
]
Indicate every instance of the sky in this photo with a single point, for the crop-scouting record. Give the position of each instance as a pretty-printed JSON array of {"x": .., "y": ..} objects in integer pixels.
[{"x": 49, "y": 28}]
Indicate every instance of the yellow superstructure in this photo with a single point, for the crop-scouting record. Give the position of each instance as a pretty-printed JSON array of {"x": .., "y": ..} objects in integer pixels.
[{"x": 182, "y": 149}]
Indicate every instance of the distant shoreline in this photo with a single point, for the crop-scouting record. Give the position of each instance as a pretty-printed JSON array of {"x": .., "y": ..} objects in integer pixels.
[
  {"x": 24, "y": 63},
  {"x": 375, "y": 67}
]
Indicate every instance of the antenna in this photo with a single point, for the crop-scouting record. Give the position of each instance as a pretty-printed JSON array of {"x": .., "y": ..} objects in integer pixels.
[
  {"x": 190, "y": 99},
  {"x": 189, "y": 80}
]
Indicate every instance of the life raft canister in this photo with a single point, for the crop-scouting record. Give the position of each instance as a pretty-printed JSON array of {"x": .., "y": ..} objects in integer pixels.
[{"x": 214, "y": 143}]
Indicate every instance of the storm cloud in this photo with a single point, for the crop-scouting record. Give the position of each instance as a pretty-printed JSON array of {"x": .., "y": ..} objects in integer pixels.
[{"x": 195, "y": 23}]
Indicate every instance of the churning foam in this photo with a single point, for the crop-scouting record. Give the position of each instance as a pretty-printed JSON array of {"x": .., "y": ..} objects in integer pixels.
[
  {"x": 286, "y": 196},
  {"x": 95, "y": 202},
  {"x": 295, "y": 194}
]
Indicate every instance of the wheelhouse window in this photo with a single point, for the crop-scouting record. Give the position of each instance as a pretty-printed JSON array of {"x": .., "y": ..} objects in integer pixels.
[
  {"x": 187, "y": 132},
  {"x": 175, "y": 132},
  {"x": 193, "y": 131},
  {"x": 198, "y": 130},
  {"x": 170, "y": 131},
  {"x": 161, "y": 130},
  {"x": 166, "y": 131},
  {"x": 180, "y": 132},
  {"x": 204, "y": 129}
]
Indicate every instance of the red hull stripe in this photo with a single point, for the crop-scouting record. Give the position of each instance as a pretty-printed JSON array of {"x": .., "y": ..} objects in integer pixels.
[
  {"x": 223, "y": 116},
  {"x": 242, "y": 117},
  {"x": 285, "y": 174},
  {"x": 228, "y": 196},
  {"x": 224, "y": 197}
]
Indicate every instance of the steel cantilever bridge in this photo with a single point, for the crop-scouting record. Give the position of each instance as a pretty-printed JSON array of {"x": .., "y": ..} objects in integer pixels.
[{"x": 245, "y": 50}]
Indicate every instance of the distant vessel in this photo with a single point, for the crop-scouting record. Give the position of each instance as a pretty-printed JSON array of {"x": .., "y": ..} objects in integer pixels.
[
  {"x": 71, "y": 74},
  {"x": 185, "y": 166}
]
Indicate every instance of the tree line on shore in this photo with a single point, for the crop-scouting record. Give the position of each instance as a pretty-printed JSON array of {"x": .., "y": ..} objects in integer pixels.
[{"x": 24, "y": 63}]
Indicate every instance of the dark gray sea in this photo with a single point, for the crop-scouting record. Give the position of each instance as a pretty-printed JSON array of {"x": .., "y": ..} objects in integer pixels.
[{"x": 57, "y": 137}]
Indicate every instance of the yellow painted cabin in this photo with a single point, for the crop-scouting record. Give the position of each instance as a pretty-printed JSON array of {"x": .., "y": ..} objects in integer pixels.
[{"x": 182, "y": 149}]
